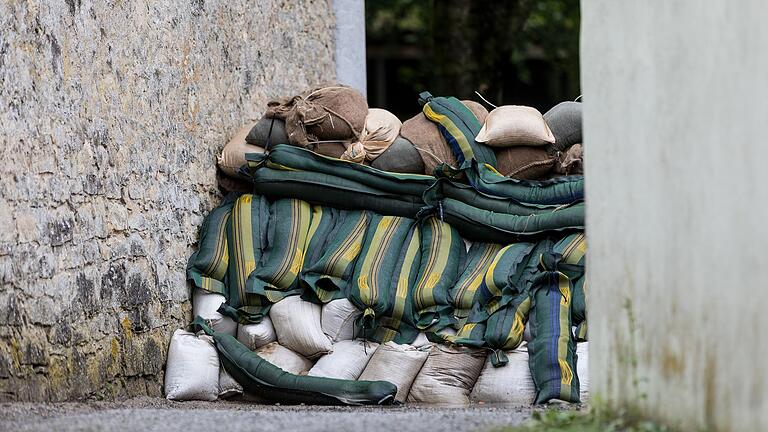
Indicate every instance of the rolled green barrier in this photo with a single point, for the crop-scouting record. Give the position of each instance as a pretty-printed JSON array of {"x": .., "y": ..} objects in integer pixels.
[
  {"x": 299, "y": 159},
  {"x": 332, "y": 191},
  {"x": 488, "y": 226},
  {"x": 487, "y": 180},
  {"x": 264, "y": 379}
]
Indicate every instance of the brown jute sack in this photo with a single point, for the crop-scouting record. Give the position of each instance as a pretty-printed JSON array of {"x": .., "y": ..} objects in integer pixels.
[
  {"x": 232, "y": 156},
  {"x": 324, "y": 113},
  {"x": 428, "y": 141},
  {"x": 525, "y": 162},
  {"x": 571, "y": 161}
]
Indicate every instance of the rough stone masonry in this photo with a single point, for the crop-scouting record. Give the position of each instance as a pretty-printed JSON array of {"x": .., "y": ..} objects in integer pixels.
[{"x": 111, "y": 116}]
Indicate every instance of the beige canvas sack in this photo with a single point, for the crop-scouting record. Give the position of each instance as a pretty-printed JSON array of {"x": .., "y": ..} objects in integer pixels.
[{"x": 513, "y": 125}]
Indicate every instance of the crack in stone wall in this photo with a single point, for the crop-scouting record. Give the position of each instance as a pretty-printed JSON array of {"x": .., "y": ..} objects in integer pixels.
[{"x": 111, "y": 117}]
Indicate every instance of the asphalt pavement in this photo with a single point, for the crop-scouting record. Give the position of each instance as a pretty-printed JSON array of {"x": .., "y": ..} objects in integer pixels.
[{"x": 154, "y": 414}]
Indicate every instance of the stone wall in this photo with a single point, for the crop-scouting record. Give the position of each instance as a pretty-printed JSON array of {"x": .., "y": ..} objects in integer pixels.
[{"x": 111, "y": 116}]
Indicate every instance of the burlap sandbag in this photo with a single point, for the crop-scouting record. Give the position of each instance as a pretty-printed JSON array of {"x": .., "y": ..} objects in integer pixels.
[
  {"x": 428, "y": 141},
  {"x": 513, "y": 125},
  {"x": 401, "y": 157},
  {"x": 525, "y": 162},
  {"x": 380, "y": 131},
  {"x": 232, "y": 156},
  {"x": 448, "y": 376},
  {"x": 325, "y": 113},
  {"x": 571, "y": 161},
  {"x": 332, "y": 149}
]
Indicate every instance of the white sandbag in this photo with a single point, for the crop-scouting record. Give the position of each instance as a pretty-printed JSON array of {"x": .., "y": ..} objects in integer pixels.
[
  {"x": 338, "y": 319},
  {"x": 297, "y": 324},
  {"x": 192, "y": 368},
  {"x": 205, "y": 304},
  {"x": 582, "y": 369},
  {"x": 256, "y": 335},
  {"x": 347, "y": 361},
  {"x": 228, "y": 387},
  {"x": 509, "y": 384},
  {"x": 285, "y": 359},
  {"x": 448, "y": 376},
  {"x": 398, "y": 364},
  {"x": 420, "y": 341}
]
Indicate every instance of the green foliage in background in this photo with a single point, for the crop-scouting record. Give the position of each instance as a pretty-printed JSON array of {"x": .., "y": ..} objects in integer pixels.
[{"x": 485, "y": 45}]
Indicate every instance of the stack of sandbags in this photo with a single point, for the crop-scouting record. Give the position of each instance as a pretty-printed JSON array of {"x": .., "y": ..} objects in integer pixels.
[{"x": 396, "y": 363}]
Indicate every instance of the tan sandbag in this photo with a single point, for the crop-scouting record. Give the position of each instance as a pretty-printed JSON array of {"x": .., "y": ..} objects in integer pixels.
[
  {"x": 285, "y": 359},
  {"x": 297, "y": 325},
  {"x": 381, "y": 129},
  {"x": 398, "y": 364},
  {"x": 509, "y": 384},
  {"x": 512, "y": 125},
  {"x": 477, "y": 109},
  {"x": 228, "y": 387},
  {"x": 191, "y": 368},
  {"x": 334, "y": 112},
  {"x": 448, "y": 376},
  {"x": 347, "y": 360},
  {"x": 525, "y": 162},
  {"x": 232, "y": 156}
]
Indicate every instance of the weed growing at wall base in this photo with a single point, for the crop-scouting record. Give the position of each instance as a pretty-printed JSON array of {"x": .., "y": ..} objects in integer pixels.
[{"x": 566, "y": 420}]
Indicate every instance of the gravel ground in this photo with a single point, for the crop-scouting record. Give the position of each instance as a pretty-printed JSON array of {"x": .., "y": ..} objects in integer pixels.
[{"x": 152, "y": 414}]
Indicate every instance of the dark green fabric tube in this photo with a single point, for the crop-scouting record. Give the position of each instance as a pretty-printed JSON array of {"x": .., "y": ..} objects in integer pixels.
[
  {"x": 488, "y": 226},
  {"x": 560, "y": 190},
  {"x": 266, "y": 380},
  {"x": 296, "y": 158},
  {"x": 333, "y": 191}
]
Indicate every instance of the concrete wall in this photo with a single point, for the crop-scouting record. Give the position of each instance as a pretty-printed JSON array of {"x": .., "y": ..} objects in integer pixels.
[
  {"x": 350, "y": 43},
  {"x": 675, "y": 109},
  {"x": 111, "y": 115}
]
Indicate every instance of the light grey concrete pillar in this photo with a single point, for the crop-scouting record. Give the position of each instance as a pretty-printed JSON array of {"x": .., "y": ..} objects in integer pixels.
[{"x": 350, "y": 43}]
